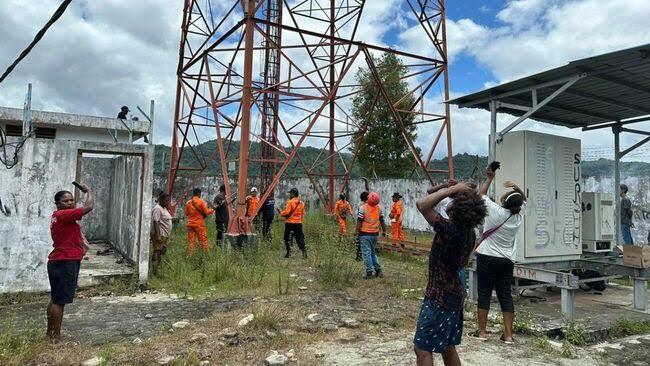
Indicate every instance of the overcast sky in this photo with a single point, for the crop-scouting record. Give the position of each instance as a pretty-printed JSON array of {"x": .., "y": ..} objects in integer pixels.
[{"x": 104, "y": 54}]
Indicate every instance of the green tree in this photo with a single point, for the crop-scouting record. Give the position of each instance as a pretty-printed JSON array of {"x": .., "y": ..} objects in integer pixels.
[{"x": 383, "y": 149}]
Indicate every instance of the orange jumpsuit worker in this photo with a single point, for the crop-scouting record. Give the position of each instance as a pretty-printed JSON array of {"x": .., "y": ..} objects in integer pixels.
[
  {"x": 293, "y": 213},
  {"x": 396, "y": 231},
  {"x": 252, "y": 203},
  {"x": 341, "y": 212},
  {"x": 196, "y": 210}
]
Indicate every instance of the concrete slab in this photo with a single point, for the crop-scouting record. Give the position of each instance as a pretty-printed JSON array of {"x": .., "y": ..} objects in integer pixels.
[
  {"x": 597, "y": 313},
  {"x": 101, "y": 264}
]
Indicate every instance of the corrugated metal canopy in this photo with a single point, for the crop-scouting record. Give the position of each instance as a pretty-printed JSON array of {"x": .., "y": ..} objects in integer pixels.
[{"x": 610, "y": 87}]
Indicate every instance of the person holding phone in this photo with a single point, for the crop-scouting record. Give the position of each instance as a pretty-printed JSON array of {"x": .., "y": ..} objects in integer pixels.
[
  {"x": 65, "y": 259},
  {"x": 196, "y": 210}
]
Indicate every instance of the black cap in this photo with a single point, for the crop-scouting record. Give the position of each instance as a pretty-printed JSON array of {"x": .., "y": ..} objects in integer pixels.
[
  {"x": 125, "y": 108},
  {"x": 397, "y": 195},
  {"x": 294, "y": 191}
]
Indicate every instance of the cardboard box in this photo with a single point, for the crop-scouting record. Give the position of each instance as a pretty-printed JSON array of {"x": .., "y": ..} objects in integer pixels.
[{"x": 635, "y": 256}]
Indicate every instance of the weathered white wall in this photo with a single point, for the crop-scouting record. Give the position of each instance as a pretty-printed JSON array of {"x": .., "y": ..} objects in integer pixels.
[
  {"x": 413, "y": 189},
  {"x": 639, "y": 194},
  {"x": 96, "y": 172},
  {"x": 27, "y": 195},
  {"x": 124, "y": 205}
]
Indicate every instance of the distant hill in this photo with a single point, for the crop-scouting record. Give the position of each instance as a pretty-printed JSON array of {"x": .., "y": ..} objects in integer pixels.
[{"x": 464, "y": 164}]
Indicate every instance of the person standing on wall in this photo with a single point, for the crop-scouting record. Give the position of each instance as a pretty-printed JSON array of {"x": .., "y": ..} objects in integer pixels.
[
  {"x": 342, "y": 210},
  {"x": 220, "y": 213},
  {"x": 294, "y": 213},
  {"x": 161, "y": 228},
  {"x": 196, "y": 210},
  {"x": 268, "y": 213},
  {"x": 626, "y": 216},
  {"x": 440, "y": 323},
  {"x": 396, "y": 231},
  {"x": 64, "y": 260},
  {"x": 369, "y": 222},
  {"x": 252, "y": 203},
  {"x": 496, "y": 254}
]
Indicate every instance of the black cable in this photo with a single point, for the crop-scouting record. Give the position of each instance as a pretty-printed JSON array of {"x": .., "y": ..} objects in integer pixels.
[{"x": 57, "y": 14}]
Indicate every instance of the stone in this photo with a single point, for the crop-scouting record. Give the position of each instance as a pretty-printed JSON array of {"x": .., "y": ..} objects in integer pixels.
[
  {"x": 315, "y": 317},
  {"x": 270, "y": 334},
  {"x": 137, "y": 341},
  {"x": 180, "y": 324},
  {"x": 198, "y": 337},
  {"x": 319, "y": 354},
  {"x": 349, "y": 323},
  {"x": 204, "y": 363},
  {"x": 288, "y": 332},
  {"x": 148, "y": 316},
  {"x": 374, "y": 320},
  {"x": 229, "y": 333},
  {"x": 277, "y": 359},
  {"x": 302, "y": 288},
  {"x": 247, "y": 319},
  {"x": 293, "y": 275},
  {"x": 328, "y": 328},
  {"x": 309, "y": 280},
  {"x": 290, "y": 353},
  {"x": 165, "y": 360},
  {"x": 95, "y": 361},
  {"x": 347, "y": 336}
]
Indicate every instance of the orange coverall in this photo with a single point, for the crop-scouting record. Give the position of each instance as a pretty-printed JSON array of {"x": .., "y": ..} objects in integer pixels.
[
  {"x": 396, "y": 231},
  {"x": 195, "y": 208},
  {"x": 341, "y": 211}
]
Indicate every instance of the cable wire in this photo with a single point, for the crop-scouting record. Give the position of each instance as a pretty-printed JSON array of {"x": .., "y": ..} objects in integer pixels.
[{"x": 57, "y": 14}]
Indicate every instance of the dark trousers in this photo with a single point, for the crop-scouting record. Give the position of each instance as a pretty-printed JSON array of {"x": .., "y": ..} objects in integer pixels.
[
  {"x": 221, "y": 228},
  {"x": 266, "y": 228},
  {"x": 494, "y": 273},
  {"x": 292, "y": 231}
]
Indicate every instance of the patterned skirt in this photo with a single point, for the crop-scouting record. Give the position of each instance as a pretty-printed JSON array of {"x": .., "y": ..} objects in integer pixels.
[{"x": 438, "y": 328}]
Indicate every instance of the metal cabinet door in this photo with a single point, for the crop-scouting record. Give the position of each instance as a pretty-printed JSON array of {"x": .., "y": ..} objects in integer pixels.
[
  {"x": 540, "y": 156},
  {"x": 568, "y": 215}
]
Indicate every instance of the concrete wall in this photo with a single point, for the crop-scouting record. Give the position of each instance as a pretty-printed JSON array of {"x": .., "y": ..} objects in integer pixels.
[
  {"x": 96, "y": 172},
  {"x": 125, "y": 205},
  {"x": 639, "y": 194},
  {"x": 27, "y": 192},
  {"x": 413, "y": 189}
]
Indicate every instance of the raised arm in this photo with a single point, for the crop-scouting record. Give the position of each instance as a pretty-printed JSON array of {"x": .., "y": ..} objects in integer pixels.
[
  {"x": 485, "y": 186},
  {"x": 440, "y": 186},
  {"x": 89, "y": 204},
  {"x": 515, "y": 187},
  {"x": 427, "y": 204}
]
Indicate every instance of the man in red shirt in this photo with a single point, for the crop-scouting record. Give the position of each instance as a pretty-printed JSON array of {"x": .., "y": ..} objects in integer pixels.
[{"x": 63, "y": 262}]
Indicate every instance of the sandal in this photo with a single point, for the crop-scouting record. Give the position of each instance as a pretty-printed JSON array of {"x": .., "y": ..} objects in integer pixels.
[
  {"x": 476, "y": 334},
  {"x": 503, "y": 339}
]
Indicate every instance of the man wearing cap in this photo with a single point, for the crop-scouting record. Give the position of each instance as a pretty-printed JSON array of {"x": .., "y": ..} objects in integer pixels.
[
  {"x": 123, "y": 112},
  {"x": 369, "y": 222},
  {"x": 293, "y": 213},
  {"x": 252, "y": 203},
  {"x": 341, "y": 211},
  {"x": 396, "y": 231}
]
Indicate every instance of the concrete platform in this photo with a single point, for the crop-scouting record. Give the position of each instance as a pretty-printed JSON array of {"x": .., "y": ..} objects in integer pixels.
[
  {"x": 101, "y": 268},
  {"x": 597, "y": 313}
]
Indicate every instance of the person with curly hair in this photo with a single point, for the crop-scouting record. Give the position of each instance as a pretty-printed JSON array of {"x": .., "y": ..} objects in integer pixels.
[
  {"x": 496, "y": 254},
  {"x": 440, "y": 323}
]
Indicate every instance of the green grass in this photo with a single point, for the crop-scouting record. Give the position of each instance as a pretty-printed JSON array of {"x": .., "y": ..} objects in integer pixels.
[
  {"x": 575, "y": 334},
  {"x": 263, "y": 271},
  {"x": 543, "y": 344},
  {"x": 18, "y": 346},
  {"x": 625, "y": 327},
  {"x": 626, "y": 281}
]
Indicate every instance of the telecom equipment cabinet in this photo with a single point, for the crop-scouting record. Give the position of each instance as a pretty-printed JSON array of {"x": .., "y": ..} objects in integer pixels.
[
  {"x": 547, "y": 168},
  {"x": 597, "y": 222}
]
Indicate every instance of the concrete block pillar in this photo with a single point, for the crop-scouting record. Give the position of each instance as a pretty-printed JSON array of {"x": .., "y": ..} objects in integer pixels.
[
  {"x": 640, "y": 294},
  {"x": 567, "y": 300}
]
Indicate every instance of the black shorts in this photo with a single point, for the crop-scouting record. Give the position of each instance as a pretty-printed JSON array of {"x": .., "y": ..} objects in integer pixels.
[{"x": 63, "y": 280}]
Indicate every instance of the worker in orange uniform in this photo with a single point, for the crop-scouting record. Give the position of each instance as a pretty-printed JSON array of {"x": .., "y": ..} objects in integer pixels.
[
  {"x": 396, "y": 231},
  {"x": 252, "y": 203},
  {"x": 369, "y": 222},
  {"x": 293, "y": 213},
  {"x": 341, "y": 212},
  {"x": 196, "y": 210}
]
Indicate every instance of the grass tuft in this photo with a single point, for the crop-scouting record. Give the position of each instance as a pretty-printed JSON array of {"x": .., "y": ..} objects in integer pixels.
[{"x": 625, "y": 327}]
